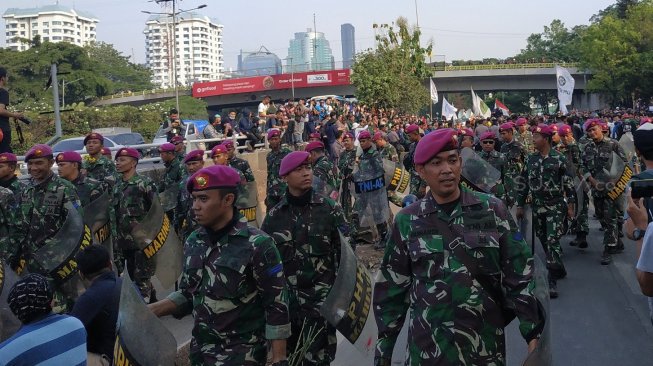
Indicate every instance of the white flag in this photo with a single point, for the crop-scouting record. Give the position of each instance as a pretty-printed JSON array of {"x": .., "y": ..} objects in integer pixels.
[
  {"x": 476, "y": 108},
  {"x": 565, "y": 85},
  {"x": 434, "y": 92},
  {"x": 448, "y": 110}
]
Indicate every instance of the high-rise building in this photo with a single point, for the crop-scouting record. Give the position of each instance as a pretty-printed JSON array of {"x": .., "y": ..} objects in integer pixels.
[
  {"x": 347, "y": 37},
  {"x": 261, "y": 62},
  {"x": 195, "y": 42},
  {"x": 309, "y": 51},
  {"x": 53, "y": 23}
]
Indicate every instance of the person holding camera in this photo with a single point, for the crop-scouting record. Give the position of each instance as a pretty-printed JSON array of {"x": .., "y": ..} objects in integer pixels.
[{"x": 5, "y": 127}]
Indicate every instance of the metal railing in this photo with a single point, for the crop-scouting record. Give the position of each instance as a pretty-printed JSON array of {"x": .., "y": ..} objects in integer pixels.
[{"x": 541, "y": 65}]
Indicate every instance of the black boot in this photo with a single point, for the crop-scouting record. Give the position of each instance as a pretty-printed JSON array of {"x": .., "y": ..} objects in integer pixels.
[
  {"x": 606, "y": 257},
  {"x": 580, "y": 241},
  {"x": 553, "y": 289}
]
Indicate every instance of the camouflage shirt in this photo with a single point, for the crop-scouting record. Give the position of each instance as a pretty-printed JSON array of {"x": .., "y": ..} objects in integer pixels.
[
  {"x": 526, "y": 140},
  {"x": 131, "y": 201},
  {"x": 235, "y": 286},
  {"x": 14, "y": 185},
  {"x": 597, "y": 160},
  {"x": 10, "y": 232},
  {"x": 515, "y": 156},
  {"x": 184, "y": 216},
  {"x": 242, "y": 166},
  {"x": 572, "y": 153},
  {"x": 547, "y": 179},
  {"x": 454, "y": 320},
  {"x": 495, "y": 158},
  {"x": 88, "y": 189},
  {"x": 346, "y": 164},
  {"x": 275, "y": 185},
  {"x": 389, "y": 152},
  {"x": 171, "y": 177},
  {"x": 324, "y": 170},
  {"x": 101, "y": 169},
  {"x": 307, "y": 238}
]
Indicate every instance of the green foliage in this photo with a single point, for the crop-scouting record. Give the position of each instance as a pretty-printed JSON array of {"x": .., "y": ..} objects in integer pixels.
[
  {"x": 391, "y": 75},
  {"x": 556, "y": 43}
]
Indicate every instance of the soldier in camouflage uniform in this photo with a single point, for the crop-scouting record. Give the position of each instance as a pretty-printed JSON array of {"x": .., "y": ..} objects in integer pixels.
[
  {"x": 173, "y": 173},
  {"x": 178, "y": 141},
  {"x": 275, "y": 186},
  {"x": 417, "y": 184},
  {"x": 220, "y": 156},
  {"x": 42, "y": 210},
  {"x": 185, "y": 222},
  {"x": 96, "y": 165},
  {"x": 233, "y": 280},
  {"x": 88, "y": 189},
  {"x": 132, "y": 198},
  {"x": 455, "y": 319},
  {"x": 547, "y": 178},
  {"x": 387, "y": 152},
  {"x": 524, "y": 136},
  {"x": 569, "y": 148},
  {"x": 596, "y": 159},
  {"x": 237, "y": 163},
  {"x": 582, "y": 217},
  {"x": 10, "y": 232},
  {"x": 515, "y": 156},
  {"x": 489, "y": 154},
  {"x": 8, "y": 178},
  {"x": 345, "y": 168},
  {"x": 323, "y": 169},
  {"x": 305, "y": 228}
]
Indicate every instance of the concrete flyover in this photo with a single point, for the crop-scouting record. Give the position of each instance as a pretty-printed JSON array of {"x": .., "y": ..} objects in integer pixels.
[{"x": 140, "y": 97}]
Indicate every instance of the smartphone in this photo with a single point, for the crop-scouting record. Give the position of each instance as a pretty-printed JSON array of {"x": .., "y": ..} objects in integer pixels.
[{"x": 641, "y": 188}]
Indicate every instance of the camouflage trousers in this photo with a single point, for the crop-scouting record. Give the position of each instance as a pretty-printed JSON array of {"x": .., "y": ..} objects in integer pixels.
[
  {"x": 548, "y": 225},
  {"x": 582, "y": 218},
  {"x": 417, "y": 185},
  {"x": 346, "y": 201},
  {"x": 316, "y": 336},
  {"x": 237, "y": 352},
  {"x": 607, "y": 211},
  {"x": 140, "y": 270}
]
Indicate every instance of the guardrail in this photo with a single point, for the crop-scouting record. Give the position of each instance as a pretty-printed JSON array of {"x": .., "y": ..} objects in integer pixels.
[
  {"x": 542, "y": 65},
  {"x": 142, "y": 92}
]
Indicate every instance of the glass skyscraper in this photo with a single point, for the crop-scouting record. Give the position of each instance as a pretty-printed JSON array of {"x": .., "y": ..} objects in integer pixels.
[
  {"x": 309, "y": 51},
  {"x": 347, "y": 37}
]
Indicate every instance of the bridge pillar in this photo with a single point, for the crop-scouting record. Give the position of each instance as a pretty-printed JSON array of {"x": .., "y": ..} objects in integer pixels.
[{"x": 588, "y": 101}]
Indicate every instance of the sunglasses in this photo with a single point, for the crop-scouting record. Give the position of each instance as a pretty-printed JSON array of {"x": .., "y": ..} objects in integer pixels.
[{"x": 489, "y": 142}]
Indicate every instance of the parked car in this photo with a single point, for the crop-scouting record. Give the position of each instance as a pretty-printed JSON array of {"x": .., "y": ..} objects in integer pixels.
[
  {"x": 131, "y": 139},
  {"x": 77, "y": 144},
  {"x": 191, "y": 132}
]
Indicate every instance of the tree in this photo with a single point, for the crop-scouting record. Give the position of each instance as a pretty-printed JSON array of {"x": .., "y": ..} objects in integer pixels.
[
  {"x": 391, "y": 75},
  {"x": 555, "y": 44},
  {"x": 122, "y": 73},
  {"x": 617, "y": 10}
]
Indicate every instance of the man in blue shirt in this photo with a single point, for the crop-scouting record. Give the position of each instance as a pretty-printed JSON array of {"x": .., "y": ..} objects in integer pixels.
[
  {"x": 44, "y": 338},
  {"x": 97, "y": 307}
]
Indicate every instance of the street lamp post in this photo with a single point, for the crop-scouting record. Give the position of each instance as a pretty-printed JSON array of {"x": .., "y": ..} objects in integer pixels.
[{"x": 63, "y": 90}]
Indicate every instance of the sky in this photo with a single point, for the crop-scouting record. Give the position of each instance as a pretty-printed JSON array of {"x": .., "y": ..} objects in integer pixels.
[{"x": 464, "y": 29}]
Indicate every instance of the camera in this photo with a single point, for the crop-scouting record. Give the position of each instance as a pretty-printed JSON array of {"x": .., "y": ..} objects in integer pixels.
[{"x": 641, "y": 188}]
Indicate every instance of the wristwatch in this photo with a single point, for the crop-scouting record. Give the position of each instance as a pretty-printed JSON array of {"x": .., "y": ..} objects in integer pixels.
[{"x": 638, "y": 233}]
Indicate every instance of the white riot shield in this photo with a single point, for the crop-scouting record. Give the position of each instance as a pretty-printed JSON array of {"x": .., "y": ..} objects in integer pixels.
[
  {"x": 542, "y": 355},
  {"x": 56, "y": 259},
  {"x": 247, "y": 202},
  {"x": 155, "y": 236},
  {"x": 477, "y": 174},
  {"x": 96, "y": 217},
  {"x": 168, "y": 198},
  {"x": 9, "y": 324},
  {"x": 348, "y": 307},
  {"x": 396, "y": 177},
  {"x": 370, "y": 193},
  {"x": 141, "y": 339}
]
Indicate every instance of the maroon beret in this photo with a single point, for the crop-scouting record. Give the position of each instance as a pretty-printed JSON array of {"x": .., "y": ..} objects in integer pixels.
[
  {"x": 315, "y": 135},
  {"x": 466, "y": 132},
  {"x": 39, "y": 151},
  {"x": 542, "y": 129},
  {"x": 167, "y": 147},
  {"x": 128, "y": 151},
  {"x": 644, "y": 120},
  {"x": 213, "y": 177},
  {"x": 273, "y": 132},
  {"x": 8, "y": 158},
  {"x": 348, "y": 135},
  {"x": 378, "y": 136},
  {"x": 564, "y": 130},
  {"x": 521, "y": 121},
  {"x": 69, "y": 157},
  {"x": 591, "y": 123},
  {"x": 508, "y": 126},
  {"x": 434, "y": 143},
  {"x": 604, "y": 126},
  {"x": 176, "y": 139},
  {"x": 292, "y": 161},
  {"x": 412, "y": 128},
  {"x": 489, "y": 135},
  {"x": 93, "y": 136},
  {"x": 365, "y": 134},
  {"x": 229, "y": 144},
  {"x": 106, "y": 151},
  {"x": 314, "y": 145},
  {"x": 218, "y": 149},
  {"x": 195, "y": 155}
]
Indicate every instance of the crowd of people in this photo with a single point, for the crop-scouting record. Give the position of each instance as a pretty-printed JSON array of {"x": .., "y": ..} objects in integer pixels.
[{"x": 256, "y": 293}]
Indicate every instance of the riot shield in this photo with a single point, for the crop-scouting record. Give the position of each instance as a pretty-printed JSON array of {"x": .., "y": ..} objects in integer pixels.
[
  {"x": 542, "y": 355},
  {"x": 141, "y": 338},
  {"x": 325, "y": 189},
  {"x": 56, "y": 259},
  {"x": 168, "y": 198},
  {"x": 615, "y": 181},
  {"x": 368, "y": 185},
  {"x": 348, "y": 307},
  {"x": 477, "y": 174},
  {"x": 247, "y": 202},
  {"x": 9, "y": 324},
  {"x": 155, "y": 236},
  {"x": 628, "y": 144},
  {"x": 96, "y": 217},
  {"x": 396, "y": 177}
]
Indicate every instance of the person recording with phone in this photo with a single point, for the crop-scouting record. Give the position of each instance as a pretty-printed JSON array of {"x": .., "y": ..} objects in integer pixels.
[{"x": 5, "y": 127}]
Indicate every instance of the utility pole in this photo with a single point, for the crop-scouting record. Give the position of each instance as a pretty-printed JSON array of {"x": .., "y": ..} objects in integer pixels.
[{"x": 314, "y": 43}]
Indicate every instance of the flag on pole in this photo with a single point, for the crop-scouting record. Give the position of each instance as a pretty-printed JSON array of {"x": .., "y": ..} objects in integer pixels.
[
  {"x": 434, "y": 92},
  {"x": 502, "y": 107},
  {"x": 476, "y": 107},
  {"x": 485, "y": 110},
  {"x": 566, "y": 85},
  {"x": 448, "y": 110}
]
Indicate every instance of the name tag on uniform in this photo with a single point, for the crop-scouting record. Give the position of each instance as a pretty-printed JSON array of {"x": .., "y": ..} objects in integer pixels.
[{"x": 51, "y": 203}]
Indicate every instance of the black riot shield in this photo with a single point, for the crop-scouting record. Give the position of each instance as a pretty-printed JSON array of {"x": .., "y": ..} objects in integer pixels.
[
  {"x": 9, "y": 324},
  {"x": 247, "y": 202},
  {"x": 155, "y": 236},
  {"x": 542, "y": 355},
  {"x": 348, "y": 307},
  {"x": 168, "y": 198},
  {"x": 368, "y": 185},
  {"x": 477, "y": 174},
  {"x": 141, "y": 339},
  {"x": 56, "y": 259},
  {"x": 96, "y": 217},
  {"x": 397, "y": 177}
]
